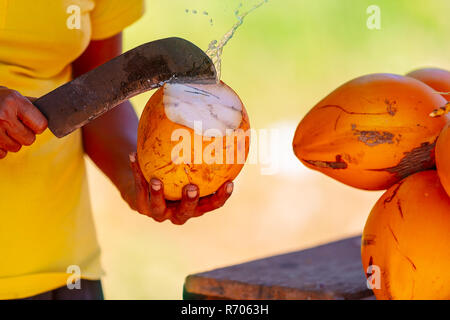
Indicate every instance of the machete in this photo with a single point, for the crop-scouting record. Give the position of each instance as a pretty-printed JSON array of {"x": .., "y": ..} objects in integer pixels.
[{"x": 143, "y": 68}]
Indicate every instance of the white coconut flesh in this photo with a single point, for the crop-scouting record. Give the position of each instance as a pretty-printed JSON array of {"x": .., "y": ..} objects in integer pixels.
[{"x": 216, "y": 107}]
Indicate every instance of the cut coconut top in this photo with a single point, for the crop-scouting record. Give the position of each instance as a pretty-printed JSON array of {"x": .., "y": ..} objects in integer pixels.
[{"x": 212, "y": 108}]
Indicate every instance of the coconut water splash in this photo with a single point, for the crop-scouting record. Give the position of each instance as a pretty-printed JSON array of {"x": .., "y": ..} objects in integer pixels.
[
  {"x": 215, "y": 48},
  {"x": 205, "y": 13}
]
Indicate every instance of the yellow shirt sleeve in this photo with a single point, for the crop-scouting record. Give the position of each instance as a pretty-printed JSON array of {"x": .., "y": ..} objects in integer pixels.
[{"x": 109, "y": 17}]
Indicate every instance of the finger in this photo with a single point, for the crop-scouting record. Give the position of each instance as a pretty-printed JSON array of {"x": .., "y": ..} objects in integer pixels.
[
  {"x": 17, "y": 131},
  {"x": 187, "y": 206},
  {"x": 8, "y": 144},
  {"x": 157, "y": 201},
  {"x": 141, "y": 187},
  {"x": 31, "y": 116},
  {"x": 215, "y": 200},
  {"x": 3, "y": 153}
]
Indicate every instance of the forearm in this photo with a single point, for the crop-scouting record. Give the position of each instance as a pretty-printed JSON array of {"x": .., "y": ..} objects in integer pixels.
[{"x": 108, "y": 141}]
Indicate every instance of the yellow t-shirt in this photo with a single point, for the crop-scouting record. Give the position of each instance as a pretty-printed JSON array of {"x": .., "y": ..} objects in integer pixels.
[{"x": 46, "y": 224}]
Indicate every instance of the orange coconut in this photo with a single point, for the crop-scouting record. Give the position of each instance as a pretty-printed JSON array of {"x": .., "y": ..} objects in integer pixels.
[
  {"x": 406, "y": 240},
  {"x": 438, "y": 79},
  {"x": 372, "y": 131},
  {"x": 443, "y": 157},
  {"x": 194, "y": 134}
]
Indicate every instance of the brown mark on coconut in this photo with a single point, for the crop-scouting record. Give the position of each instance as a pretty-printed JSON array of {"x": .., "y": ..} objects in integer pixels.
[
  {"x": 164, "y": 166},
  {"x": 418, "y": 159},
  {"x": 390, "y": 108},
  {"x": 407, "y": 258},
  {"x": 398, "y": 248},
  {"x": 399, "y": 206},
  {"x": 336, "y": 122},
  {"x": 373, "y": 138},
  {"x": 173, "y": 169},
  {"x": 394, "y": 193},
  {"x": 338, "y": 164},
  {"x": 353, "y": 112},
  {"x": 411, "y": 262},
  {"x": 368, "y": 240},
  {"x": 393, "y": 235}
]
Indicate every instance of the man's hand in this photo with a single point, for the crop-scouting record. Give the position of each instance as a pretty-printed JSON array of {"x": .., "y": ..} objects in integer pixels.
[
  {"x": 149, "y": 200},
  {"x": 20, "y": 121}
]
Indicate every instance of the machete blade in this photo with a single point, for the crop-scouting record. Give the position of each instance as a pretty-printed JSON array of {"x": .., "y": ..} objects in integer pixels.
[{"x": 143, "y": 68}]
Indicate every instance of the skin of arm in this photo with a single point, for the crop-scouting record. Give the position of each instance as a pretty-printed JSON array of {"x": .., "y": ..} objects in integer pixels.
[{"x": 110, "y": 141}]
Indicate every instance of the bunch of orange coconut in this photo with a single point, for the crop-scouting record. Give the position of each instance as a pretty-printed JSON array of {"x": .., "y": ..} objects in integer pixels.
[{"x": 391, "y": 132}]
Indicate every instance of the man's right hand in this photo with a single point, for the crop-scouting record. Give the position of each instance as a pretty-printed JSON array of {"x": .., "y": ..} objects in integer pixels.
[{"x": 20, "y": 121}]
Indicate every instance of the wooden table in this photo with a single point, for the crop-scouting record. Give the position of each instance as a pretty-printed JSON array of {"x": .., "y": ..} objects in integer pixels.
[{"x": 330, "y": 271}]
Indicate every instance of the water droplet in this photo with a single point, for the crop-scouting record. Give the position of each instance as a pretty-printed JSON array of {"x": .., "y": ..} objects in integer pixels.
[{"x": 215, "y": 48}]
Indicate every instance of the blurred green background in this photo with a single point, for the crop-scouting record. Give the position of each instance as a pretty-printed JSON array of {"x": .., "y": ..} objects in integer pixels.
[{"x": 286, "y": 56}]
